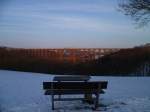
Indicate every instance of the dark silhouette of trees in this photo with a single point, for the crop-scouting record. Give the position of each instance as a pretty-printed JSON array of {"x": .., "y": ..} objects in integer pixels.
[
  {"x": 139, "y": 10},
  {"x": 133, "y": 61}
]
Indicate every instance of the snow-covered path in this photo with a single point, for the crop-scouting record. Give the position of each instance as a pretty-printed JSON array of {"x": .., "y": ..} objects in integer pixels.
[{"x": 22, "y": 92}]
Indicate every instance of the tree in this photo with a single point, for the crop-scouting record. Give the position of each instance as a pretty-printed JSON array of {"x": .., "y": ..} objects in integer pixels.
[{"x": 139, "y": 10}]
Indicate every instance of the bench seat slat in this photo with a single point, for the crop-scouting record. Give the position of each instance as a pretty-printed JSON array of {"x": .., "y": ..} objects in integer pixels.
[
  {"x": 68, "y": 99},
  {"x": 71, "y": 91}
]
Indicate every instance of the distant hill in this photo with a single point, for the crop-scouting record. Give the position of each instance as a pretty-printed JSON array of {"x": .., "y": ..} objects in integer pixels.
[{"x": 126, "y": 61}]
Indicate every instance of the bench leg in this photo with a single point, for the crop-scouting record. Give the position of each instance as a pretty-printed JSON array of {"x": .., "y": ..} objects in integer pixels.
[
  {"x": 59, "y": 96},
  {"x": 96, "y": 101},
  {"x": 52, "y": 101},
  {"x": 88, "y": 98}
]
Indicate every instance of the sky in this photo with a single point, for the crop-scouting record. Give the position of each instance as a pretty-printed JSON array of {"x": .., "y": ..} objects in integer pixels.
[{"x": 68, "y": 24}]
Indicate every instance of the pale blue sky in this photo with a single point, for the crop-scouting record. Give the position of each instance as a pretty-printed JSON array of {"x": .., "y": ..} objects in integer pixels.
[{"x": 67, "y": 23}]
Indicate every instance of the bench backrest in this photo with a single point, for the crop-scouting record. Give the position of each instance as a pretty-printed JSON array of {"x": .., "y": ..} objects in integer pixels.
[
  {"x": 75, "y": 85},
  {"x": 72, "y": 78}
]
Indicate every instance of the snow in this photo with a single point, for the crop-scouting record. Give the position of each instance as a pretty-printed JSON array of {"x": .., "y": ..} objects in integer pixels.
[{"x": 22, "y": 92}]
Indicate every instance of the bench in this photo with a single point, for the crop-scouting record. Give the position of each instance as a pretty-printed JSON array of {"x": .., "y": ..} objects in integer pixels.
[{"x": 63, "y": 88}]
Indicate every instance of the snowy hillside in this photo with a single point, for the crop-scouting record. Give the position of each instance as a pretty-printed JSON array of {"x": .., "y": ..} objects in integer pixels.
[{"x": 22, "y": 92}]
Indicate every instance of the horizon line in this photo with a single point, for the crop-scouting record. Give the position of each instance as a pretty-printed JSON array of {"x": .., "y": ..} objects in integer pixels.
[{"x": 68, "y": 47}]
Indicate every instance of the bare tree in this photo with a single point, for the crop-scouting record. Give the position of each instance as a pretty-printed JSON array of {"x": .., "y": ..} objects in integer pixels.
[{"x": 139, "y": 10}]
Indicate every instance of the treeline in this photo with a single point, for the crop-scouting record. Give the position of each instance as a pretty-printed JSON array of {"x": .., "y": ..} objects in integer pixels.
[{"x": 135, "y": 61}]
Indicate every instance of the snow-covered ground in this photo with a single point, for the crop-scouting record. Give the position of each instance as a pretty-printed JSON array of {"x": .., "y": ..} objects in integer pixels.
[{"x": 22, "y": 92}]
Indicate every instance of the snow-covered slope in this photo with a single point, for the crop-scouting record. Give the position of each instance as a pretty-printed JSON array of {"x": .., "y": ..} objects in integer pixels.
[{"x": 22, "y": 92}]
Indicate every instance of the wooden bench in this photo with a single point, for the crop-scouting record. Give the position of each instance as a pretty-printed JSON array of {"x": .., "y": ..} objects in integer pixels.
[{"x": 63, "y": 88}]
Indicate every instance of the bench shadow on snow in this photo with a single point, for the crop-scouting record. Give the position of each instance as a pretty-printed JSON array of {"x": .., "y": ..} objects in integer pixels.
[
  {"x": 80, "y": 106},
  {"x": 70, "y": 106}
]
